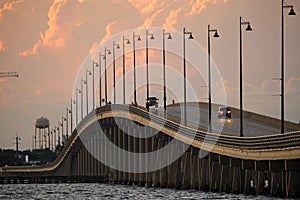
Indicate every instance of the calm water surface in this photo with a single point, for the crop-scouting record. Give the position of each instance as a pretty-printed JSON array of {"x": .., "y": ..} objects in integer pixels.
[{"x": 107, "y": 191}]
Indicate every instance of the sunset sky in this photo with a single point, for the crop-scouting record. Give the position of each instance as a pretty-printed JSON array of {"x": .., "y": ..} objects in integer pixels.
[{"x": 46, "y": 42}]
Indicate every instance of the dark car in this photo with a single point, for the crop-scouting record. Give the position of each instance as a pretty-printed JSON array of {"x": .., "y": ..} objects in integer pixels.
[
  {"x": 224, "y": 112},
  {"x": 152, "y": 101}
]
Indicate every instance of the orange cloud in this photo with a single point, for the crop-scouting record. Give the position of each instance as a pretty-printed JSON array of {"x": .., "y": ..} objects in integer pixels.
[
  {"x": 199, "y": 5},
  {"x": 109, "y": 31},
  {"x": 171, "y": 20},
  {"x": 38, "y": 92},
  {"x": 271, "y": 85},
  {"x": 149, "y": 21},
  {"x": 53, "y": 35},
  {"x": 93, "y": 52},
  {"x": 293, "y": 84},
  {"x": 147, "y": 6},
  {"x": 1, "y": 46},
  {"x": 9, "y": 6}
]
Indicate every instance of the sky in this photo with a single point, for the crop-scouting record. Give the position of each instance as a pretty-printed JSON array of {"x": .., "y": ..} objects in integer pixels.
[{"x": 47, "y": 41}]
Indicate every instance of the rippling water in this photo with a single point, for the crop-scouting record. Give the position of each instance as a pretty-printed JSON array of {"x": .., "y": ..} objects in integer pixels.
[{"x": 107, "y": 191}]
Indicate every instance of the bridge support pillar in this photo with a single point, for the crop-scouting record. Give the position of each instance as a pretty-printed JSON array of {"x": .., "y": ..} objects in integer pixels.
[
  {"x": 155, "y": 161},
  {"x": 164, "y": 170},
  {"x": 136, "y": 160},
  {"x": 142, "y": 162},
  {"x": 186, "y": 161}
]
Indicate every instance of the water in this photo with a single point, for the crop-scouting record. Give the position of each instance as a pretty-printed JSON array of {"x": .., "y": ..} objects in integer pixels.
[{"x": 107, "y": 191}]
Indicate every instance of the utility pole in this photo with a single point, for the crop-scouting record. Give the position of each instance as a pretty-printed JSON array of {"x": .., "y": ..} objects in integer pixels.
[{"x": 17, "y": 138}]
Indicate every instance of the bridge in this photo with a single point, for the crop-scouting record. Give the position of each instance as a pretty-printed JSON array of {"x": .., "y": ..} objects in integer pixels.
[{"x": 126, "y": 144}]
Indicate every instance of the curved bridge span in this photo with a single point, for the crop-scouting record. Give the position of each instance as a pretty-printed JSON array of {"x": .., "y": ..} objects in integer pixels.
[{"x": 126, "y": 144}]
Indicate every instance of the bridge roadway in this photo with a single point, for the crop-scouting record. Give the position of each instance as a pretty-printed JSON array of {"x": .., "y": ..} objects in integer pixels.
[
  {"x": 273, "y": 157},
  {"x": 254, "y": 124}
]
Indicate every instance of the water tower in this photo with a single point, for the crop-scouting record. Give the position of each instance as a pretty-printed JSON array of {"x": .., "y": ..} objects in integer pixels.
[{"x": 42, "y": 126}]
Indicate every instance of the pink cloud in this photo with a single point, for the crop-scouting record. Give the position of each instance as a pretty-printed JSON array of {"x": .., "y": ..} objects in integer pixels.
[
  {"x": 39, "y": 92},
  {"x": 150, "y": 20},
  {"x": 271, "y": 85},
  {"x": 293, "y": 84},
  {"x": 197, "y": 6},
  {"x": 146, "y": 7},
  {"x": 171, "y": 20},
  {"x": 2, "y": 48},
  {"x": 9, "y": 6},
  {"x": 52, "y": 36},
  {"x": 109, "y": 31}
]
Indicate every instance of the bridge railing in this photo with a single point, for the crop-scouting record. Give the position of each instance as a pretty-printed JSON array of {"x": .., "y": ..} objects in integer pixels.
[{"x": 290, "y": 139}]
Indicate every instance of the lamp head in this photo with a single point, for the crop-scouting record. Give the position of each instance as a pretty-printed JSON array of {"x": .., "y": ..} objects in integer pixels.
[
  {"x": 152, "y": 37},
  {"x": 169, "y": 36},
  {"x": 90, "y": 73},
  {"x": 128, "y": 42},
  {"x": 191, "y": 36},
  {"x": 216, "y": 35},
  {"x": 292, "y": 11},
  {"x": 118, "y": 46},
  {"x": 249, "y": 28},
  {"x": 139, "y": 38},
  {"x": 108, "y": 52}
]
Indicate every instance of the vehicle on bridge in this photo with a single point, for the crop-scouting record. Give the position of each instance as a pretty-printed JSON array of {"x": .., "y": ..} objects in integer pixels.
[
  {"x": 224, "y": 112},
  {"x": 151, "y": 101}
]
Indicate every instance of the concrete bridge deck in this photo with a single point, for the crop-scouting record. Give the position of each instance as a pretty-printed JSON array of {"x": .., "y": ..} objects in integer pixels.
[{"x": 254, "y": 124}]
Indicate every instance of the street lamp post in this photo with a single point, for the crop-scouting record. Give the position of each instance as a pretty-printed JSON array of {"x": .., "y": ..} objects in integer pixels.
[
  {"x": 87, "y": 72},
  {"x": 51, "y": 140},
  {"x": 147, "y": 64},
  {"x": 71, "y": 113},
  {"x": 209, "y": 30},
  {"x": 134, "y": 70},
  {"x": 67, "y": 123},
  {"x": 54, "y": 138},
  {"x": 58, "y": 133},
  {"x": 62, "y": 130},
  {"x": 114, "y": 69},
  {"x": 100, "y": 80},
  {"x": 107, "y": 51},
  {"x": 292, "y": 12},
  {"x": 242, "y": 22},
  {"x": 164, "y": 68},
  {"x": 184, "y": 72},
  {"x": 66, "y": 120},
  {"x": 94, "y": 64},
  {"x": 81, "y": 92},
  {"x": 124, "y": 69},
  {"x": 78, "y": 91}
]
